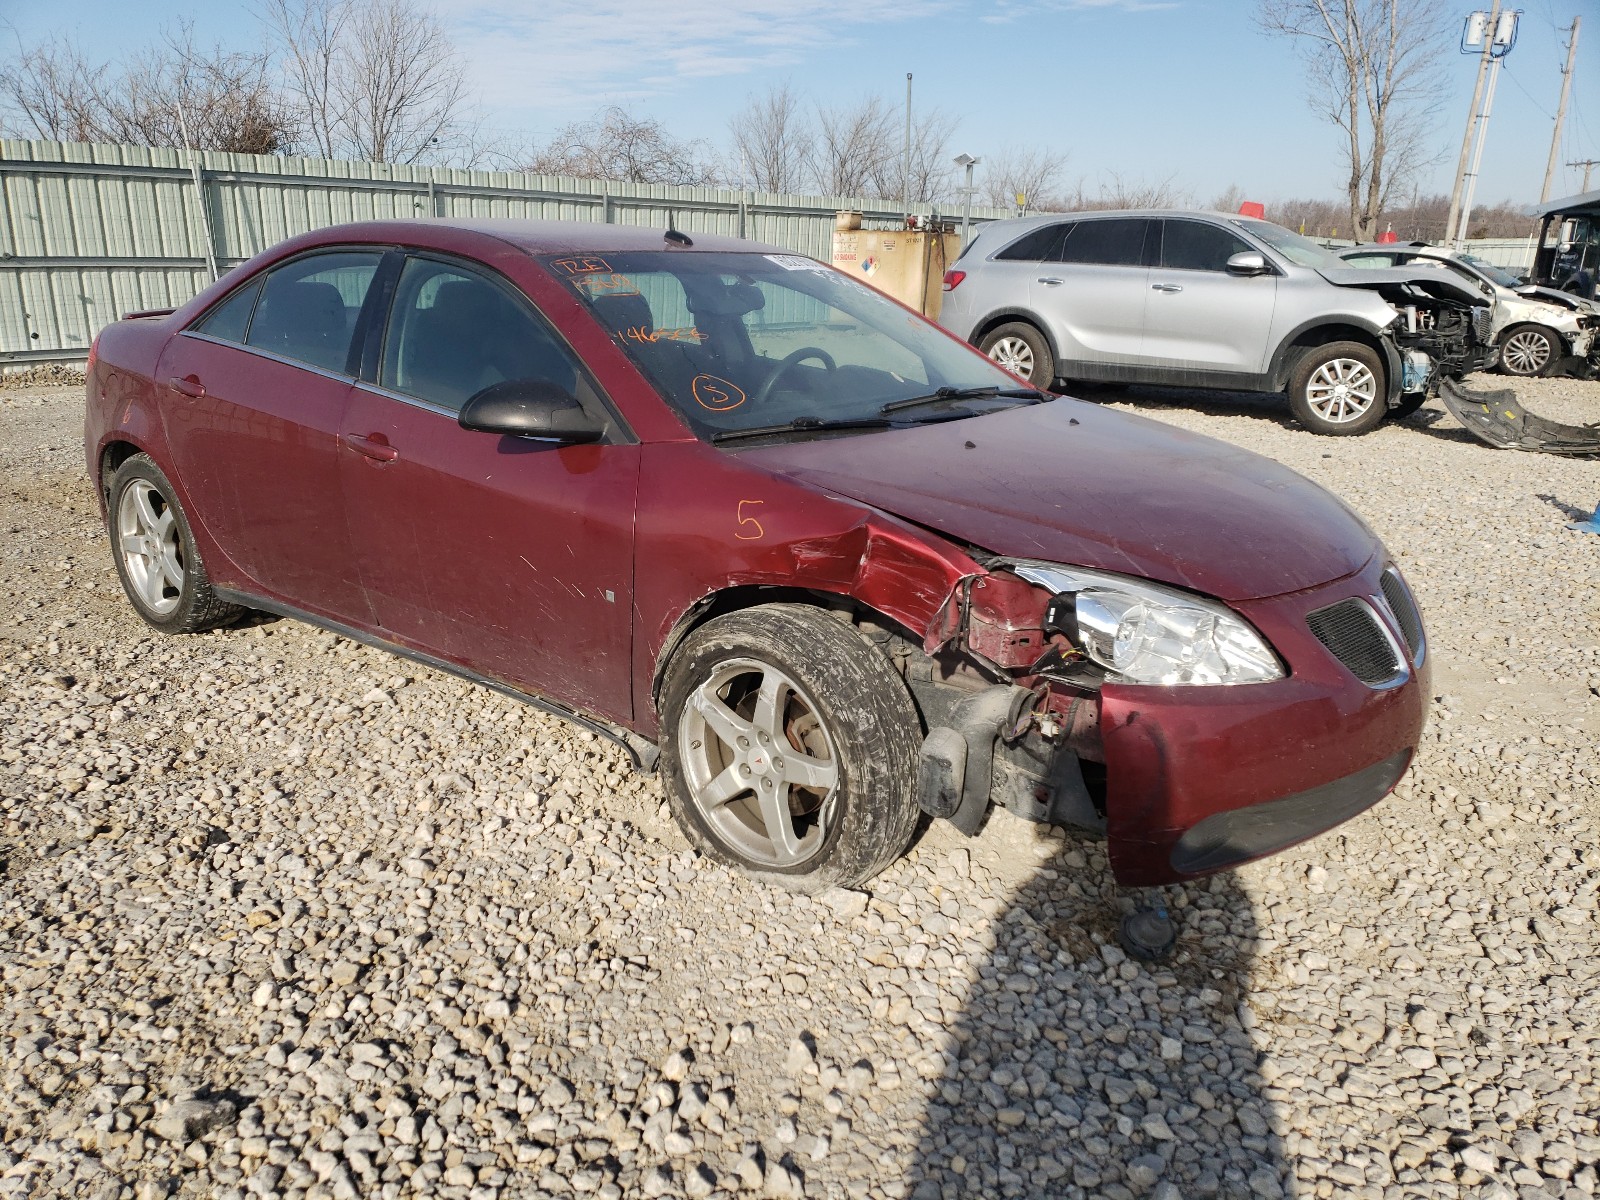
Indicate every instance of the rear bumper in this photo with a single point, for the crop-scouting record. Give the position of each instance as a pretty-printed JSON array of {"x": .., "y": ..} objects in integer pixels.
[{"x": 1201, "y": 779}]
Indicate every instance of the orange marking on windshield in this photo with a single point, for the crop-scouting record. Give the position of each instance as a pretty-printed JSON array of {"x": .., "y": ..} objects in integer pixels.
[
  {"x": 717, "y": 395},
  {"x": 583, "y": 265},
  {"x": 638, "y": 333},
  {"x": 595, "y": 286}
]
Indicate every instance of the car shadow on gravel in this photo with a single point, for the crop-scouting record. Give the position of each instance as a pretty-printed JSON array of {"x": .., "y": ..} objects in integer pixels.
[{"x": 1074, "y": 1071}]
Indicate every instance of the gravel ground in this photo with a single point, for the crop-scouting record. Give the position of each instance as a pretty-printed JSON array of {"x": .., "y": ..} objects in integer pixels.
[{"x": 282, "y": 916}]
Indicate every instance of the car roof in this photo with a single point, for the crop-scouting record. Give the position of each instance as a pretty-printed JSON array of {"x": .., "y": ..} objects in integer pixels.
[{"x": 535, "y": 237}]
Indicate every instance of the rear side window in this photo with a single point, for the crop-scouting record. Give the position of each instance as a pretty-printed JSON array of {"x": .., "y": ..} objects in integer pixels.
[
  {"x": 453, "y": 332},
  {"x": 1040, "y": 245},
  {"x": 1116, "y": 242},
  {"x": 1196, "y": 246},
  {"x": 230, "y": 320},
  {"x": 308, "y": 307}
]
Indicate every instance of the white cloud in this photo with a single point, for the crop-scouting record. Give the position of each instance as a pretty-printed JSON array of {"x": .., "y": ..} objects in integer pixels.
[{"x": 570, "y": 55}]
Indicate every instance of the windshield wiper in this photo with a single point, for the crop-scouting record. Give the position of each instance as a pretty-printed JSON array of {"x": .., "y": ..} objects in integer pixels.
[
  {"x": 800, "y": 425},
  {"x": 969, "y": 393}
]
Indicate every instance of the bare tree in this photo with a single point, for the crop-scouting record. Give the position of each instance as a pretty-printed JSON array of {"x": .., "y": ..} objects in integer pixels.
[
  {"x": 1229, "y": 199},
  {"x": 169, "y": 95},
  {"x": 931, "y": 170},
  {"x": 1372, "y": 69},
  {"x": 379, "y": 81},
  {"x": 773, "y": 139},
  {"x": 614, "y": 144},
  {"x": 1034, "y": 174},
  {"x": 853, "y": 145}
]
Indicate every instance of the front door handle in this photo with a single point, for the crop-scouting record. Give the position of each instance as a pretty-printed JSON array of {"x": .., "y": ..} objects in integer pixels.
[
  {"x": 1051, "y": 280},
  {"x": 373, "y": 445},
  {"x": 189, "y": 385},
  {"x": 1170, "y": 289}
]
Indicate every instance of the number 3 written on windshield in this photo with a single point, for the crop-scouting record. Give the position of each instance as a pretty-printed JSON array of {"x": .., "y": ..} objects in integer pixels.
[{"x": 749, "y": 523}]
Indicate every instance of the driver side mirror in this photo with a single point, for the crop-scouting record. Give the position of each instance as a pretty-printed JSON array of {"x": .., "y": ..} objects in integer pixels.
[
  {"x": 530, "y": 408},
  {"x": 1248, "y": 262}
]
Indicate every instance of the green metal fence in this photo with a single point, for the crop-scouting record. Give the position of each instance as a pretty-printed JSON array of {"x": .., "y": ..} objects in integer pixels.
[{"x": 89, "y": 232}]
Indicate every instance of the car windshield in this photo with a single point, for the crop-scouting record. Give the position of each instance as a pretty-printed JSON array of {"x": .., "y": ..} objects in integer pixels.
[
  {"x": 743, "y": 342},
  {"x": 1491, "y": 272},
  {"x": 1301, "y": 251}
]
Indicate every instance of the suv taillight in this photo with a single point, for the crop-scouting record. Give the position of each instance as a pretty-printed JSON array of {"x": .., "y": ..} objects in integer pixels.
[{"x": 952, "y": 280}]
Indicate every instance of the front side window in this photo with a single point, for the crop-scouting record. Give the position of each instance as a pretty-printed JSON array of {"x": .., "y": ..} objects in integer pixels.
[
  {"x": 1115, "y": 242},
  {"x": 308, "y": 307},
  {"x": 453, "y": 332},
  {"x": 737, "y": 341},
  {"x": 1197, "y": 246}
]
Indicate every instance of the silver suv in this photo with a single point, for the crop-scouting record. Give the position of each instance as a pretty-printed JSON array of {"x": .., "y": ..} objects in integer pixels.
[{"x": 1211, "y": 300}]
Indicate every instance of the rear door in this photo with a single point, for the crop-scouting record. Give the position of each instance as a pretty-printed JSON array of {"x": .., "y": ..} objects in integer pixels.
[
  {"x": 1093, "y": 293},
  {"x": 510, "y": 556},
  {"x": 255, "y": 392},
  {"x": 1201, "y": 318}
]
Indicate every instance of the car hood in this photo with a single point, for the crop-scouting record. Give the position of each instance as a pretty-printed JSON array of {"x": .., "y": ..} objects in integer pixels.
[
  {"x": 1401, "y": 285},
  {"x": 1567, "y": 300},
  {"x": 1073, "y": 483}
]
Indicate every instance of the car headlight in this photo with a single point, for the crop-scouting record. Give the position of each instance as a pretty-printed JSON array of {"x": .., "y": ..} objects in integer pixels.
[{"x": 1144, "y": 633}]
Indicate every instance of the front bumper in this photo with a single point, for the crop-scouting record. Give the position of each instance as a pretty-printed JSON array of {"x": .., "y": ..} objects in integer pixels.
[{"x": 1200, "y": 779}]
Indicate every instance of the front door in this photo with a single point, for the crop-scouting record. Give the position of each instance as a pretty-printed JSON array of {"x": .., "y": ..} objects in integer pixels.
[
  {"x": 509, "y": 556},
  {"x": 255, "y": 393},
  {"x": 1199, "y": 317}
]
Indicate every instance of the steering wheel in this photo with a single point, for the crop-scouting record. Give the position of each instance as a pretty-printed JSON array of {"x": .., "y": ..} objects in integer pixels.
[{"x": 782, "y": 369}]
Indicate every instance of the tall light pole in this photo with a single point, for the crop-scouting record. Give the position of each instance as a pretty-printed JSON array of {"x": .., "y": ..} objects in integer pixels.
[
  {"x": 905, "y": 178},
  {"x": 967, "y": 161}
]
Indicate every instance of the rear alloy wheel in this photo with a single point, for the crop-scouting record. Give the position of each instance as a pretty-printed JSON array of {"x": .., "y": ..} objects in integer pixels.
[
  {"x": 790, "y": 748},
  {"x": 155, "y": 553},
  {"x": 1338, "y": 389},
  {"x": 1022, "y": 350},
  {"x": 1529, "y": 350}
]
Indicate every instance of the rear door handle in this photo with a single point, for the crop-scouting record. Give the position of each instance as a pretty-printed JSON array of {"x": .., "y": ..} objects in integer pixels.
[
  {"x": 1169, "y": 288},
  {"x": 1051, "y": 280},
  {"x": 189, "y": 385},
  {"x": 373, "y": 445}
]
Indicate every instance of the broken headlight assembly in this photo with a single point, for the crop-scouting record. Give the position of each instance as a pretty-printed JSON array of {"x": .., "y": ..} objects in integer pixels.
[{"x": 1141, "y": 632}]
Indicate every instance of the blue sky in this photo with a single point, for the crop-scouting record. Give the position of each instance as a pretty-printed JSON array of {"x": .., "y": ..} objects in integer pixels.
[{"x": 1189, "y": 90}]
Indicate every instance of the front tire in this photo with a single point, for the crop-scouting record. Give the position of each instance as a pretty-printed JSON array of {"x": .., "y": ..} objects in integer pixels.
[
  {"x": 1529, "y": 351},
  {"x": 1022, "y": 350},
  {"x": 155, "y": 554},
  {"x": 1338, "y": 389},
  {"x": 789, "y": 748}
]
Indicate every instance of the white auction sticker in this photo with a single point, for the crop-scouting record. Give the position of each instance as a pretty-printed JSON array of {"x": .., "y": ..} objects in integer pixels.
[{"x": 796, "y": 262}]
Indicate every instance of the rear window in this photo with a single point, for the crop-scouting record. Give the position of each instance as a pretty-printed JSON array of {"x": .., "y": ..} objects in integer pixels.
[{"x": 1039, "y": 245}]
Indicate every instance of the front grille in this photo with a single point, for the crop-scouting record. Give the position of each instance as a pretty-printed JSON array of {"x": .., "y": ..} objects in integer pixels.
[
  {"x": 1404, "y": 608},
  {"x": 1353, "y": 634},
  {"x": 1482, "y": 322}
]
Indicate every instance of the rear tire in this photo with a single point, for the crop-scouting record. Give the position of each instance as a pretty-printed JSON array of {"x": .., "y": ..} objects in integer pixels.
[
  {"x": 155, "y": 554},
  {"x": 789, "y": 748},
  {"x": 1338, "y": 389},
  {"x": 1022, "y": 350},
  {"x": 1529, "y": 351}
]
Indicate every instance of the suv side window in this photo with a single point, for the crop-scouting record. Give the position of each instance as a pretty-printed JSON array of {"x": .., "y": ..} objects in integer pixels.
[
  {"x": 1116, "y": 242},
  {"x": 309, "y": 307},
  {"x": 1197, "y": 246},
  {"x": 1039, "y": 245},
  {"x": 453, "y": 332}
]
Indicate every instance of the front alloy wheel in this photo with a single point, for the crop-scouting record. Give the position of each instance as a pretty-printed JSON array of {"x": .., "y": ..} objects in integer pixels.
[
  {"x": 1528, "y": 350},
  {"x": 790, "y": 747},
  {"x": 1338, "y": 389}
]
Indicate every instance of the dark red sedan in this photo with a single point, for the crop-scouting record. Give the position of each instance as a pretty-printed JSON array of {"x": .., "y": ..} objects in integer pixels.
[{"x": 713, "y": 499}]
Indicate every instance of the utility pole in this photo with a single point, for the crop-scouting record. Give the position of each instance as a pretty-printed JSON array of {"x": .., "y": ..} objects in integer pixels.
[
  {"x": 1499, "y": 38},
  {"x": 1561, "y": 113},
  {"x": 1587, "y": 164},
  {"x": 1472, "y": 118},
  {"x": 905, "y": 178},
  {"x": 1477, "y": 156}
]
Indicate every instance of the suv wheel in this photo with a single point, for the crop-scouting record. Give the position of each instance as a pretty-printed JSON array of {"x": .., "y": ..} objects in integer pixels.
[
  {"x": 1528, "y": 350},
  {"x": 1338, "y": 389},
  {"x": 789, "y": 748},
  {"x": 1022, "y": 350}
]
